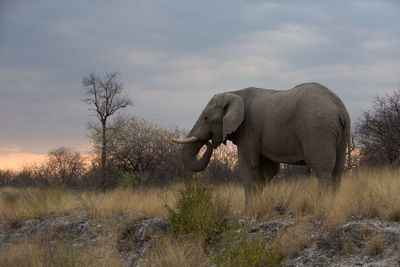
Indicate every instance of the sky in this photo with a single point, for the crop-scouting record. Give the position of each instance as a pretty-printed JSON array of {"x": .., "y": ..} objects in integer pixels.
[{"x": 174, "y": 55}]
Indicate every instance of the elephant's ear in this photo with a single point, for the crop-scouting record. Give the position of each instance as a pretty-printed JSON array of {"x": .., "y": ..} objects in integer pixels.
[{"x": 234, "y": 113}]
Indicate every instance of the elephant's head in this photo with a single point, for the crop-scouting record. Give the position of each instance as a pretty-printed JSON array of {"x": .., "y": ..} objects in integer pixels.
[{"x": 221, "y": 117}]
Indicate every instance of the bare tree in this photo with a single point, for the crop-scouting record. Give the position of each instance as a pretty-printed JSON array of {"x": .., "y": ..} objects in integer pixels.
[
  {"x": 144, "y": 150},
  {"x": 105, "y": 97},
  {"x": 65, "y": 165},
  {"x": 378, "y": 131}
]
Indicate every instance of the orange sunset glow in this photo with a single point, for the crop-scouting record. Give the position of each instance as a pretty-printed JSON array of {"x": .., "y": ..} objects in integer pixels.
[{"x": 16, "y": 161}]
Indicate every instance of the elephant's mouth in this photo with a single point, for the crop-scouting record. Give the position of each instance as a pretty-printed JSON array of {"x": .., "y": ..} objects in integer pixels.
[{"x": 216, "y": 140}]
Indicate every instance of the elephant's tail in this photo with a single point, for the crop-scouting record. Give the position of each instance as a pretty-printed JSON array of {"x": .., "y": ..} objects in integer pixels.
[
  {"x": 343, "y": 144},
  {"x": 349, "y": 149},
  {"x": 346, "y": 138}
]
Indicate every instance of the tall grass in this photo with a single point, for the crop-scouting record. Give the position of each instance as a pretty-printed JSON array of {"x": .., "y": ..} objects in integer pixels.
[
  {"x": 35, "y": 203},
  {"x": 362, "y": 195}
]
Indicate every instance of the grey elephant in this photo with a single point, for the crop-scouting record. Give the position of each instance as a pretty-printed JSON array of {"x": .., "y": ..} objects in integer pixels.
[{"x": 305, "y": 125}]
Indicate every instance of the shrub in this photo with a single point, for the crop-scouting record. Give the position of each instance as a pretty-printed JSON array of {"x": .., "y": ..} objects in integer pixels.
[
  {"x": 142, "y": 148},
  {"x": 377, "y": 132},
  {"x": 198, "y": 213},
  {"x": 376, "y": 245},
  {"x": 6, "y": 177},
  {"x": 177, "y": 252},
  {"x": 131, "y": 179},
  {"x": 242, "y": 249}
]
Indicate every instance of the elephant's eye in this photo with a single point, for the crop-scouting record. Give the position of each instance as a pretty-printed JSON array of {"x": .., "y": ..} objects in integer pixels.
[{"x": 205, "y": 118}]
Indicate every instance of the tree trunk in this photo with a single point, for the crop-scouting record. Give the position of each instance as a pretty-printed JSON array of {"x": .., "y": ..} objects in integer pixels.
[{"x": 103, "y": 155}]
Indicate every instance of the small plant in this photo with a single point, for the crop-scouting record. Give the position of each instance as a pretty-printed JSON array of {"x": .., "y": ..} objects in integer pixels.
[
  {"x": 130, "y": 180},
  {"x": 242, "y": 249},
  {"x": 198, "y": 213},
  {"x": 177, "y": 252},
  {"x": 376, "y": 245},
  {"x": 294, "y": 239}
]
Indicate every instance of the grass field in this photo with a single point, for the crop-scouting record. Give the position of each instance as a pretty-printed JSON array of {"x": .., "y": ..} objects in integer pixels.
[{"x": 364, "y": 194}]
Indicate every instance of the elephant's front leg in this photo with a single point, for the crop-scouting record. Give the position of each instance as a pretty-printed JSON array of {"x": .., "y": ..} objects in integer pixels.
[{"x": 251, "y": 175}]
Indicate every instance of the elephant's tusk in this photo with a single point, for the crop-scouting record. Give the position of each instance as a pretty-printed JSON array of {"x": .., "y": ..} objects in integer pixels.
[{"x": 186, "y": 140}]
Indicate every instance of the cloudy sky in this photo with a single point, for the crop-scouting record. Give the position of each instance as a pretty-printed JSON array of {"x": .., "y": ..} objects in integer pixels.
[{"x": 174, "y": 55}]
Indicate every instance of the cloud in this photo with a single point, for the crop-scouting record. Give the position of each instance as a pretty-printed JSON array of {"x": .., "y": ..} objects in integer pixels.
[
  {"x": 175, "y": 55},
  {"x": 276, "y": 58}
]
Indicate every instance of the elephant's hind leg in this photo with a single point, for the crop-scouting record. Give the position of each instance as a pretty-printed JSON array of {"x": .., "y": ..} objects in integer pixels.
[
  {"x": 338, "y": 169},
  {"x": 322, "y": 159}
]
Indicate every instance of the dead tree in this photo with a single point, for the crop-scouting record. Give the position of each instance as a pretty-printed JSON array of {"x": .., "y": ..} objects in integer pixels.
[
  {"x": 105, "y": 97},
  {"x": 378, "y": 131}
]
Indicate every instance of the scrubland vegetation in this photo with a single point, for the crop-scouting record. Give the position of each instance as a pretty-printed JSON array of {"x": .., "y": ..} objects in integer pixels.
[
  {"x": 197, "y": 214},
  {"x": 364, "y": 194}
]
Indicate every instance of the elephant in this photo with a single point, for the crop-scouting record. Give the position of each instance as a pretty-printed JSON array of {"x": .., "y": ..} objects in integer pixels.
[{"x": 305, "y": 125}]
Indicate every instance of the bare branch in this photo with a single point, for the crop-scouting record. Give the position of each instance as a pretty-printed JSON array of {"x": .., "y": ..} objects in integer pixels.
[
  {"x": 105, "y": 95},
  {"x": 378, "y": 131}
]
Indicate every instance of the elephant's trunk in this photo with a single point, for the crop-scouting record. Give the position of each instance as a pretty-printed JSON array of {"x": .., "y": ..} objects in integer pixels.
[{"x": 189, "y": 154}]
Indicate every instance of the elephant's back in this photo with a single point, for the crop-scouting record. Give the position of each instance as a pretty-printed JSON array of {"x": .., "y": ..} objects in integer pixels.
[{"x": 316, "y": 93}]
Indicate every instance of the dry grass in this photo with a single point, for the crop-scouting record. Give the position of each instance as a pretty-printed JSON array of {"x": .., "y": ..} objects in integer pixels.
[
  {"x": 37, "y": 253},
  {"x": 21, "y": 204},
  {"x": 172, "y": 252},
  {"x": 362, "y": 195},
  {"x": 376, "y": 245},
  {"x": 294, "y": 239},
  {"x": 365, "y": 194}
]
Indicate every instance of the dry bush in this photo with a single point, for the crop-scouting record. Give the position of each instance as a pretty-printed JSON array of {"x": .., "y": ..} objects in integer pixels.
[
  {"x": 142, "y": 149},
  {"x": 6, "y": 177},
  {"x": 172, "y": 252},
  {"x": 377, "y": 132},
  {"x": 62, "y": 166},
  {"x": 347, "y": 245},
  {"x": 241, "y": 249},
  {"x": 375, "y": 245},
  {"x": 294, "y": 239}
]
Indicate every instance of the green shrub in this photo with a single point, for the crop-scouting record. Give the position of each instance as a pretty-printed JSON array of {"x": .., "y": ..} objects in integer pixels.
[
  {"x": 198, "y": 213},
  {"x": 129, "y": 180},
  {"x": 243, "y": 249}
]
